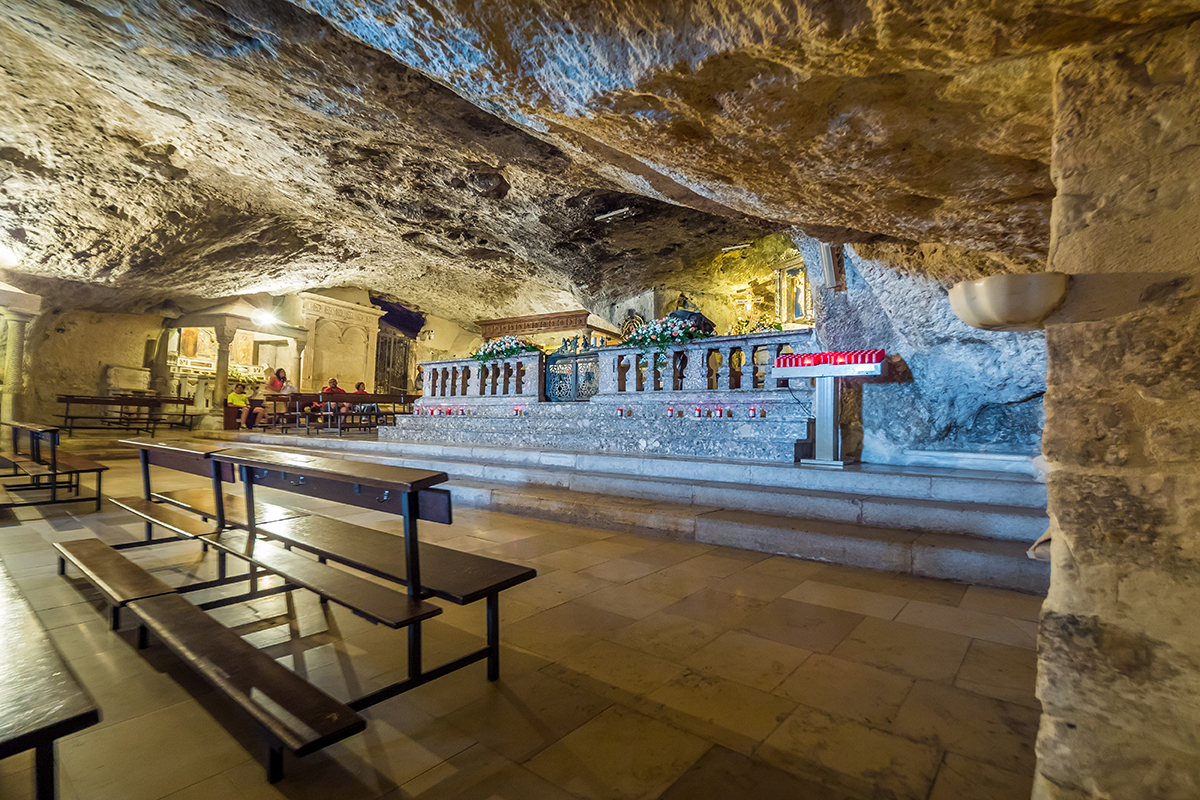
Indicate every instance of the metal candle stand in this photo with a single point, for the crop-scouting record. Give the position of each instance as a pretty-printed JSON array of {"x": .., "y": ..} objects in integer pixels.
[{"x": 827, "y": 450}]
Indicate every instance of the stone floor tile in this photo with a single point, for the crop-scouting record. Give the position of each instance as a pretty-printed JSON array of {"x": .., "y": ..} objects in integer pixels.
[
  {"x": 713, "y": 564},
  {"x": 623, "y": 667},
  {"x": 929, "y": 590},
  {"x": 1002, "y": 602},
  {"x": 565, "y": 629},
  {"x": 728, "y": 712},
  {"x": 570, "y": 559},
  {"x": 904, "y": 649},
  {"x": 468, "y": 544},
  {"x": 868, "y": 761},
  {"x": 722, "y": 774},
  {"x": 748, "y": 659},
  {"x": 870, "y": 580},
  {"x": 667, "y": 636},
  {"x": 619, "y": 755},
  {"x": 755, "y": 584},
  {"x": 151, "y": 755},
  {"x": 536, "y": 546},
  {"x": 610, "y": 549},
  {"x": 989, "y": 730},
  {"x": 519, "y": 718},
  {"x": 851, "y": 690},
  {"x": 628, "y": 601},
  {"x": 1000, "y": 671},
  {"x": 478, "y": 774},
  {"x": 63, "y": 616},
  {"x": 88, "y": 638},
  {"x": 548, "y": 591},
  {"x": 802, "y": 625},
  {"x": 676, "y": 584},
  {"x": 961, "y": 777},
  {"x": 620, "y": 570},
  {"x": 721, "y": 609},
  {"x": 670, "y": 553},
  {"x": 988, "y": 627},
  {"x": 246, "y": 782},
  {"x": 858, "y": 601}
]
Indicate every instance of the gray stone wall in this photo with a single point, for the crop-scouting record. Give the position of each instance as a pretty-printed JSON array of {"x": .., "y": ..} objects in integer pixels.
[
  {"x": 1119, "y": 674},
  {"x": 952, "y": 387}
]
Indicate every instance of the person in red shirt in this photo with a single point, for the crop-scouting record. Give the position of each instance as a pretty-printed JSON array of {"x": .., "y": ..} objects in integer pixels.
[{"x": 333, "y": 388}]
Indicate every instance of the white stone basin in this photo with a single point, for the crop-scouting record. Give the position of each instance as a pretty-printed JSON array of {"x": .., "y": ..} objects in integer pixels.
[{"x": 1009, "y": 302}]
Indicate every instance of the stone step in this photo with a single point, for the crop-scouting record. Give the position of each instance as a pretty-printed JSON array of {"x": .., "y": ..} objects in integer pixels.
[
  {"x": 975, "y": 560},
  {"x": 660, "y": 476},
  {"x": 970, "y": 559}
]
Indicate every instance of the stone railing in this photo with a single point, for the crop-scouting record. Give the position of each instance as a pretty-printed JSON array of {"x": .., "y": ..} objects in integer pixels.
[
  {"x": 738, "y": 366},
  {"x": 467, "y": 380}
]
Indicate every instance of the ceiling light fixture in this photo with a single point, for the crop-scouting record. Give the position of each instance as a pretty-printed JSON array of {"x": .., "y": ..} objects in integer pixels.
[
  {"x": 262, "y": 318},
  {"x": 618, "y": 214},
  {"x": 734, "y": 247}
]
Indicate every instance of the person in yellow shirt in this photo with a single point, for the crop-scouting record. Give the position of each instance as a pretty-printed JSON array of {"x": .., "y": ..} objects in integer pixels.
[{"x": 237, "y": 399}]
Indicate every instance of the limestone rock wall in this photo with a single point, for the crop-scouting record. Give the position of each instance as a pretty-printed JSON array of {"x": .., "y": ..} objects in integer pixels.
[
  {"x": 69, "y": 352},
  {"x": 953, "y": 387},
  {"x": 1119, "y": 673}
]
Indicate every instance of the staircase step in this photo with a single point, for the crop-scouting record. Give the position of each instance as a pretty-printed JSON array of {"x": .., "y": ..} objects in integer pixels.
[{"x": 986, "y": 562}]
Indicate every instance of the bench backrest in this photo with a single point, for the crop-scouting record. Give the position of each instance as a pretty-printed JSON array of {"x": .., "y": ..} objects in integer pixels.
[
  {"x": 379, "y": 487},
  {"x": 191, "y": 456}
]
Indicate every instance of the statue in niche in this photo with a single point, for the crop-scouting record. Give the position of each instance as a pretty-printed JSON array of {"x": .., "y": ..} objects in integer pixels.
[{"x": 189, "y": 341}]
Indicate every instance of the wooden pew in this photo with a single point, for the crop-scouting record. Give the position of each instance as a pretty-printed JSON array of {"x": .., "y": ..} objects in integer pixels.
[
  {"x": 47, "y": 468},
  {"x": 40, "y": 698},
  {"x": 459, "y": 577},
  {"x": 293, "y": 713}
]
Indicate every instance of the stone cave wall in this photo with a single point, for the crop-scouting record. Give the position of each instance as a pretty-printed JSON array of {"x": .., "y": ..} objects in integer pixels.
[
  {"x": 1119, "y": 650},
  {"x": 952, "y": 387},
  {"x": 70, "y": 351}
]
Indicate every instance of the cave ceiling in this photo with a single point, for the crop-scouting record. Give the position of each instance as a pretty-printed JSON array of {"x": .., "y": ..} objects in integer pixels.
[{"x": 456, "y": 156}]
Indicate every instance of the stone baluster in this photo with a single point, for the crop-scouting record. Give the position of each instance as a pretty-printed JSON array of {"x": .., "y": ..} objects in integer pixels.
[
  {"x": 608, "y": 371},
  {"x": 747, "y": 366},
  {"x": 726, "y": 369},
  {"x": 695, "y": 374}
]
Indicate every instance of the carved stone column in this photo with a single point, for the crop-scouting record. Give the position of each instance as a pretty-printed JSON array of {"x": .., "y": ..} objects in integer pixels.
[
  {"x": 607, "y": 371},
  {"x": 695, "y": 374},
  {"x": 304, "y": 377},
  {"x": 725, "y": 370},
  {"x": 14, "y": 365},
  {"x": 224, "y": 336},
  {"x": 369, "y": 366}
]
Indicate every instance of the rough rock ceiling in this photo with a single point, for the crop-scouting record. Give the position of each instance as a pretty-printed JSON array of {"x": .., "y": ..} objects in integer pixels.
[{"x": 191, "y": 147}]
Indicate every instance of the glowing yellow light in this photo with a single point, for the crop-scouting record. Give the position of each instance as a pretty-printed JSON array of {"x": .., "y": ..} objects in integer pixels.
[
  {"x": 8, "y": 256},
  {"x": 261, "y": 318}
]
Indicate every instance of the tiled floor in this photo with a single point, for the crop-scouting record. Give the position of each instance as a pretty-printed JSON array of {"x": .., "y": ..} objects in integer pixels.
[{"x": 633, "y": 667}]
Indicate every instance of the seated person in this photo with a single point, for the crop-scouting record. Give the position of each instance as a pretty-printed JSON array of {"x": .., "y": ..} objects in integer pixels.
[
  {"x": 364, "y": 408},
  {"x": 238, "y": 399},
  {"x": 333, "y": 388}
]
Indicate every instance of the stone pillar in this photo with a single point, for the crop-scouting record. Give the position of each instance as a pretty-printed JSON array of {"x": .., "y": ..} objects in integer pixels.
[
  {"x": 695, "y": 374},
  {"x": 299, "y": 346},
  {"x": 14, "y": 366},
  {"x": 224, "y": 336},
  {"x": 369, "y": 366},
  {"x": 608, "y": 371},
  {"x": 1119, "y": 644},
  {"x": 304, "y": 378},
  {"x": 725, "y": 370}
]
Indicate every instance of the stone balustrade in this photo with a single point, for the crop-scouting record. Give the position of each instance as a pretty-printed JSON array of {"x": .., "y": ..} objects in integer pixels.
[
  {"x": 465, "y": 380},
  {"x": 735, "y": 365},
  {"x": 719, "y": 371}
]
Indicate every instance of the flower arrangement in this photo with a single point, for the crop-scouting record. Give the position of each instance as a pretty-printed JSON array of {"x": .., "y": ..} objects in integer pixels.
[
  {"x": 755, "y": 323},
  {"x": 660, "y": 333},
  {"x": 238, "y": 374},
  {"x": 503, "y": 347}
]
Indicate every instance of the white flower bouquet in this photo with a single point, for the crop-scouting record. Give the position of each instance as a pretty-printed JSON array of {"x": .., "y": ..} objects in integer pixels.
[{"x": 503, "y": 347}]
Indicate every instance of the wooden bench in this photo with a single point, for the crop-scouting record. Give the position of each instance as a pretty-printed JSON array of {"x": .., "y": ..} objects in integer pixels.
[
  {"x": 117, "y": 578},
  {"x": 40, "y": 698},
  {"x": 459, "y": 577},
  {"x": 333, "y": 418},
  {"x": 47, "y": 468},
  {"x": 294, "y": 714}
]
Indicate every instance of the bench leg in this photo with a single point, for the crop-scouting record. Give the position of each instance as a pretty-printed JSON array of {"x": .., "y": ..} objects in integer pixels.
[
  {"x": 493, "y": 637},
  {"x": 46, "y": 781},
  {"x": 274, "y": 762},
  {"x": 62, "y": 566},
  {"x": 116, "y": 617},
  {"x": 149, "y": 531},
  {"x": 221, "y": 565},
  {"x": 99, "y": 485},
  {"x": 143, "y": 637}
]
